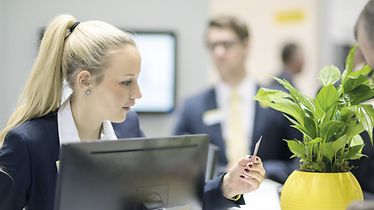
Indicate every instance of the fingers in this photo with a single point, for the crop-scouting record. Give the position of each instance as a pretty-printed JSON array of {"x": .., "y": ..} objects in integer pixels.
[
  {"x": 256, "y": 167},
  {"x": 254, "y": 183},
  {"x": 249, "y": 159},
  {"x": 254, "y": 175}
]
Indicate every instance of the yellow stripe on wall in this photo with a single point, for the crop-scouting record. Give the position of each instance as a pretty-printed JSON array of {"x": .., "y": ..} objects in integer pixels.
[{"x": 290, "y": 16}]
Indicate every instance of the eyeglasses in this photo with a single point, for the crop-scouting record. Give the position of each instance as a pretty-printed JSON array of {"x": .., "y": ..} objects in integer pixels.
[{"x": 225, "y": 44}]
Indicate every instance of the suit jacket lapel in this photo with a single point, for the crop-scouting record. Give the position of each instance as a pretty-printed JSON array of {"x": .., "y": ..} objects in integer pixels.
[
  {"x": 214, "y": 130},
  {"x": 259, "y": 121}
]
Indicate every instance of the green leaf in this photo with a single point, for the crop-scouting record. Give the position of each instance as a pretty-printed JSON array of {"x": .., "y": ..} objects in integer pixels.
[
  {"x": 339, "y": 143},
  {"x": 328, "y": 96},
  {"x": 365, "y": 115},
  {"x": 315, "y": 141},
  {"x": 296, "y": 147},
  {"x": 349, "y": 62},
  {"x": 354, "y": 153},
  {"x": 310, "y": 127},
  {"x": 330, "y": 128},
  {"x": 302, "y": 129},
  {"x": 329, "y": 75},
  {"x": 360, "y": 94},
  {"x": 327, "y": 151},
  {"x": 357, "y": 140},
  {"x": 365, "y": 70},
  {"x": 353, "y": 129},
  {"x": 297, "y": 95},
  {"x": 353, "y": 83},
  {"x": 280, "y": 101}
]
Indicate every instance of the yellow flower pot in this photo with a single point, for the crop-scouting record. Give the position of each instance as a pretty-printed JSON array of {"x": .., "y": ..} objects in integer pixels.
[{"x": 320, "y": 191}]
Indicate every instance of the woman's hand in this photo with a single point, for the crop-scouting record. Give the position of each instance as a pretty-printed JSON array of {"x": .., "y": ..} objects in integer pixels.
[{"x": 245, "y": 176}]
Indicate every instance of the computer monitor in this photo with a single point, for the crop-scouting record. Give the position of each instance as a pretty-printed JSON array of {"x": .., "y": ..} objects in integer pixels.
[
  {"x": 158, "y": 173},
  {"x": 158, "y": 78}
]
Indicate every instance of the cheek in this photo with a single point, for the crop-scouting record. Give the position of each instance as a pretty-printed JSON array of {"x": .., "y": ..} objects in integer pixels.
[
  {"x": 120, "y": 93},
  {"x": 116, "y": 95}
]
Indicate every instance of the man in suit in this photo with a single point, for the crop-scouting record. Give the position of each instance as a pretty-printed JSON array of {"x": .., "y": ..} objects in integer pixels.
[
  {"x": 364, "y": 33},
  {"x": 227, "y": 111},
  {"x": 293, "y": 62}
]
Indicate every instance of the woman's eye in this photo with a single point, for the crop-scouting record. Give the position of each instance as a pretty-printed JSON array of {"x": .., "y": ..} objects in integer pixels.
[{"x": 127, "y": 83}]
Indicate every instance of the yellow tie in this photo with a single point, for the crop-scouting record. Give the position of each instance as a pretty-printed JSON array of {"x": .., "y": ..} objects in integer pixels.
[{"x": 236, "y": 142}]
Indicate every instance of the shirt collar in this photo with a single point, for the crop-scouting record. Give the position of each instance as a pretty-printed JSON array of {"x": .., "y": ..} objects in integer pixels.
[
  {"x": 67, "y": 131},
  {"x": 246, "y": 89}
]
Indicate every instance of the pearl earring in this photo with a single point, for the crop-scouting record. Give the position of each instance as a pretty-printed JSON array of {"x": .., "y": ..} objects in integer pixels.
[{"x": 88, "y": 92}]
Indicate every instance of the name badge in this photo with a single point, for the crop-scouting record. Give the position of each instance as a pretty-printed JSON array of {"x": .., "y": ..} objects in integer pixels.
[
  {"x": 58, "y": 165},
  {"x": 212, "y": 117}
]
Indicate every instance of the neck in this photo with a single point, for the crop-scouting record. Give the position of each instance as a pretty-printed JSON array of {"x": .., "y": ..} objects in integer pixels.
[
  {"x": 88, "y": 127},
  {"x": 235, "y": 78}
]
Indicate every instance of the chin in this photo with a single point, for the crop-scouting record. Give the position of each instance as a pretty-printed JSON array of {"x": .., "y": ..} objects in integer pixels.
[{"x": 120, "y": 118}]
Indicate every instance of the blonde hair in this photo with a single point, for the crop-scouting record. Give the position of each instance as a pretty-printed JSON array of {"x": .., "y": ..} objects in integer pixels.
[{"x": 62, "y": 54}]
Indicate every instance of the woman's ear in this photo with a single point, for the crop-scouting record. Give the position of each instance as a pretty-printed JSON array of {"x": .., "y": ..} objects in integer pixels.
[{"x": 84, "y": 80}]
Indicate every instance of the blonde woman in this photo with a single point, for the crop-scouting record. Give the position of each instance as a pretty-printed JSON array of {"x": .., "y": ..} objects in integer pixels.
[{"x": 101, "y": 64}]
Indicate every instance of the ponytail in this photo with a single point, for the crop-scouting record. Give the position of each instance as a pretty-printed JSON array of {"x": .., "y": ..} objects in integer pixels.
[
  {"x": 66, "y": 48},
  {"x": 42, "y": 93}
]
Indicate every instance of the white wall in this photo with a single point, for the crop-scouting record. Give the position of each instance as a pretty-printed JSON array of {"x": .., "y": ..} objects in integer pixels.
[
  {"x": 21, "y": 21},
  {"x": 336, "y": 26},
  {"x": 2, "y": 60}
]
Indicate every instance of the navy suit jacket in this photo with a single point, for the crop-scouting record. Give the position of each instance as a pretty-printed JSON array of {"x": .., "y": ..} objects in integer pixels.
[
  {"x": 268, "y": 123},
  {"x": 29, "y": 156}
]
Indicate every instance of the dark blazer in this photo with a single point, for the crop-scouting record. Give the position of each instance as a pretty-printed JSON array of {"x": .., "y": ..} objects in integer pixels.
[
  {"x": 364, "y": 168},
  {"x": 29, "y": 155},
  {"x": 268, "y": 123}
]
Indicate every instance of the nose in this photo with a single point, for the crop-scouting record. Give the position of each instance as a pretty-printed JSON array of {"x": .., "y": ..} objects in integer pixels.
[
  {"x": 219, "y": 51},
  {"x": 137, "y": 94}
]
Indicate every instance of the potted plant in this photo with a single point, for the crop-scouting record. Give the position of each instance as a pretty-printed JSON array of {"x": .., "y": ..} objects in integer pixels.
[{"x": 330, "y": 124}]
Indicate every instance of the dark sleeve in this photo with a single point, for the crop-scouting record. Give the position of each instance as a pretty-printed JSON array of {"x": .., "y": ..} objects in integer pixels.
[
  {"x": 14, "y": 159},
  {"x": 130, "y": 128},
  {"x": 364, "y": 167},
  {"x": 279, "y": 169},
  {"x": 181, "y": 121},
  {"x": 140, "y": 131},
  {"x": 213, "y": 197}
]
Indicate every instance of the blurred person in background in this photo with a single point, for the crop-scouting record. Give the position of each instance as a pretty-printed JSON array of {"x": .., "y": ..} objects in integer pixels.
[
  {"x": 227, "y": 112},
  {"x": 293, "y": 62}
]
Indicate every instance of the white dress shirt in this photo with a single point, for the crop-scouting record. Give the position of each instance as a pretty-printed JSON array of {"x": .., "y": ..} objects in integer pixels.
[
  {"x": 246, "y": 90},
  {"x": 67, "y": 131}
]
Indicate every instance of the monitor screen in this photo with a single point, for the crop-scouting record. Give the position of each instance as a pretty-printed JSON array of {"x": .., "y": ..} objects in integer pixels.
[
  {"x": 158, "y": 71},
  {"x": 136, "y": 174}
]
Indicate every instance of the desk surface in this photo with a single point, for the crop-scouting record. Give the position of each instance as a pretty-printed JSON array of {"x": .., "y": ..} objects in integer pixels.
[{"x": 264, "y": 198}]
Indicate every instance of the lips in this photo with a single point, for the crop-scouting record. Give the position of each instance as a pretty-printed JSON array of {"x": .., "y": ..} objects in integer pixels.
[{"x": 128, "y": 108}]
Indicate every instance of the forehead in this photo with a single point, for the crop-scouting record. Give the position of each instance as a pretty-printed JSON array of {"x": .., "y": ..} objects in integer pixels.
[
  {"x": 125, "y": 61},
  {"x": 216, "y": 34}
]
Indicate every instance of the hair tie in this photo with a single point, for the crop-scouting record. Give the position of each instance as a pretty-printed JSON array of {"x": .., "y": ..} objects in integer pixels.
[{"x": 71, "y": 29}]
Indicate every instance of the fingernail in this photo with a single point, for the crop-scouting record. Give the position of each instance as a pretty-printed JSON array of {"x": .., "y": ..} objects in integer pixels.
[
  {"x": 246, "y": 170},
  {"x": 249, "y": 164},
  {"x": 257, "y": 159},
  {"x": 242, "y": 176},
  {"x": 249, "y": 156}
]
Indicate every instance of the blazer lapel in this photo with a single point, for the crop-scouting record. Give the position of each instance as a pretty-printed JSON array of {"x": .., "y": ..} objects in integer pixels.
[{"x": 214, "y": 130}]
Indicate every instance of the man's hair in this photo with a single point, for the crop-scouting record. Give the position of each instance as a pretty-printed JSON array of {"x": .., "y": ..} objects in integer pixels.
[
  {"x": 288, "y": 51},
  {"x": 367, "y": 19},
  {"x": 239, "y": 27}
]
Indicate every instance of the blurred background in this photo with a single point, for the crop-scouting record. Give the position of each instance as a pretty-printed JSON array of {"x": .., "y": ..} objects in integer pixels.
[{"x": 323, "y": 28}]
